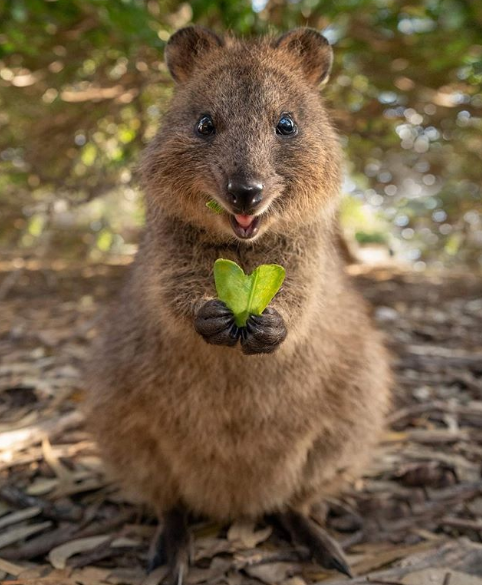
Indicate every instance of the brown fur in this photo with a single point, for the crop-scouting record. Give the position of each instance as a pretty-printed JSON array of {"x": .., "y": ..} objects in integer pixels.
[{"x": 228, "y": 434}]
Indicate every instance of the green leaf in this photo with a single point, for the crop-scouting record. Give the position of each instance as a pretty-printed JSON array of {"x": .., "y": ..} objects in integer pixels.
[
  {"x": 245, "y": 294},
  {"x": 214, "y": 206}
]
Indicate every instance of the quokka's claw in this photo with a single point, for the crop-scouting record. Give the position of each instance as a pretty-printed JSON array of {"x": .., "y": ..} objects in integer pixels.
[{"x": 322, "y": 547}]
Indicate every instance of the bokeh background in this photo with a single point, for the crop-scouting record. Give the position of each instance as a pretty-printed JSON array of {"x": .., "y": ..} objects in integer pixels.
[{"x": 83, "y": 86}]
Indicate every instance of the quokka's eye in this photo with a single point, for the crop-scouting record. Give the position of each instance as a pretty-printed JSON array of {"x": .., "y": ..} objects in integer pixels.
[
  {"x": 286, "y": 126},
  {"x": 205, "y": 126}
]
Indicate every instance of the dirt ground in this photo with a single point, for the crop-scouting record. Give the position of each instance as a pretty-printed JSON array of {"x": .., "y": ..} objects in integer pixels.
[{"x": 416, "y": 518}]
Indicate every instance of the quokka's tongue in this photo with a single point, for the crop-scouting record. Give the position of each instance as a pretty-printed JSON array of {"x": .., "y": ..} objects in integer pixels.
[{"x": 244, "y": 220}]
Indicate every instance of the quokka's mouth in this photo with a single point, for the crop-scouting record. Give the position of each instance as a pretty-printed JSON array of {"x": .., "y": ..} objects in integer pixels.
[{"x": 245, "y": 226}]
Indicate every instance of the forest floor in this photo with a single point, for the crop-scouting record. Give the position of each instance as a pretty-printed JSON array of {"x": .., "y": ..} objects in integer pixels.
[{"x": 416, "y": 518}]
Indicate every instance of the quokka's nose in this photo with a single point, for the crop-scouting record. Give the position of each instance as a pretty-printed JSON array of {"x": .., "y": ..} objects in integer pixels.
[{"x": 244, "y": 194}]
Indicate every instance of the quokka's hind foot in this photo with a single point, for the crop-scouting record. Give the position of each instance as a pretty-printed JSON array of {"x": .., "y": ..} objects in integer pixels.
[
  {"x": 321, "y": 546},
  {"x": 172, "y": 547}
]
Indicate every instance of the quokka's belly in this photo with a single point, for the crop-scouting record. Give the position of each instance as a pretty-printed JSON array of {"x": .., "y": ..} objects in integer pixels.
[
  {"x": 240, "y": 445},
  {"x": 235, "y": 437},
  {"x": 250, "y": 477}
]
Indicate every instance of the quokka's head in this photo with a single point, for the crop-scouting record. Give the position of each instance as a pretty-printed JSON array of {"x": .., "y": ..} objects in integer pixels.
[{"x": 246, "y": 128}]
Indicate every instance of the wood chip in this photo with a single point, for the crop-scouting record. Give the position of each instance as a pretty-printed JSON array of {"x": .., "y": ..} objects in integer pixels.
[
  {"x": 243, "y": 534},
  {"x": 59, "y": 555},
  {"x": 17, "y": 534},
  {"x": 274, "y": 572},
  {"x": 20, "y": 516},
  {"x": 11, "y": 568}
]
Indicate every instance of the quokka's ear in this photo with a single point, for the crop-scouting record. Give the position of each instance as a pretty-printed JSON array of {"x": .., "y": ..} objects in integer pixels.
[
  {"x": 186, "y": 48},
  {"x": 311, "y": 49}
]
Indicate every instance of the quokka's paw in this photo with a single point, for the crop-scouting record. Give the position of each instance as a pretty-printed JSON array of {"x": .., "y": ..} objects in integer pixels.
[
  {"x": 215, "y": 322},
  {"x": 263, "y": 333}
]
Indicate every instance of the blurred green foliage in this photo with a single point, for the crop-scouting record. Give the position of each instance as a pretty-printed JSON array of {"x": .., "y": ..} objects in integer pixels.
[{"x": 83, "y": 85}]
